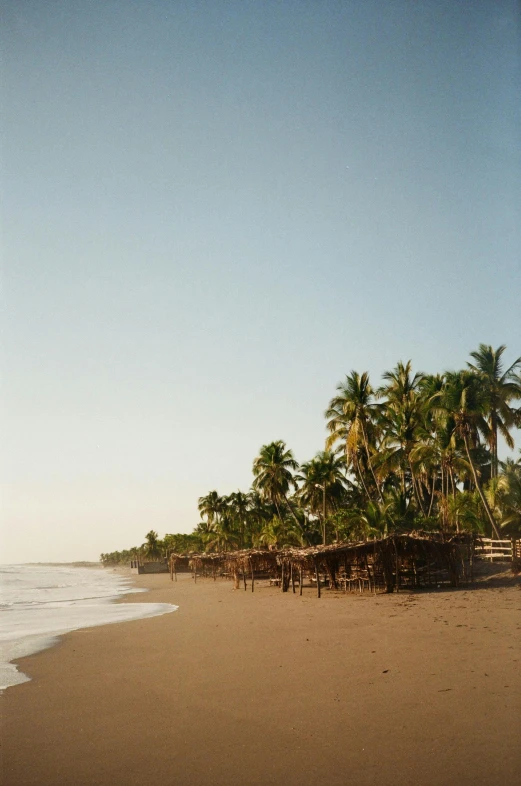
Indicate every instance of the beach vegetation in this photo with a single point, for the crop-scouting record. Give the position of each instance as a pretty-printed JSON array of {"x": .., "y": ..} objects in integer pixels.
[{"x": 418, "y": 452}]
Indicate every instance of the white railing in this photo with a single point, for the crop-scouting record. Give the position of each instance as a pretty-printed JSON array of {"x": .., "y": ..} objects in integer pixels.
[{"x": 494, "y": 549}]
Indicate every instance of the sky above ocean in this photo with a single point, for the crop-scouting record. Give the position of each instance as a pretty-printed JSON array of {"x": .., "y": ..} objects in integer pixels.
[{"x": 214, "y": 211}]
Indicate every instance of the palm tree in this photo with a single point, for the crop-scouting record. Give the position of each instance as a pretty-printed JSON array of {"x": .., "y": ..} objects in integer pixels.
[
  {"x": 402, "y": 384},
  {"x": 462, "y": 399},
  {"x": 272, "y": 470},
  {"x": 465, "y": 512},
  {"x": 323, "y": 484},
  {"x": 204, "y": 531},
  {"x": 509, "y": 488},
  {"x": 370, "y": 521},
  {"x": 259, "y": 512},
  {"x": 351, "y": 420},
  {"x": 211, "y": 506},
  {"x": 279, "y": 533},
  {"x": 402, "y": 414},
  {"x": 223, "y": 536},
  {"x": 239, "y": 507},
  {"x": 401, "y": 422},
  {"x": 438, "y": 456},
  {"x": 499, "y": 388},
  {"x": 152, "y": 546}
]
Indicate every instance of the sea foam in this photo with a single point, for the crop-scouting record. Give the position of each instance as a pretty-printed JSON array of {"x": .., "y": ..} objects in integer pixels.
[{"x": 38, "y": 603}]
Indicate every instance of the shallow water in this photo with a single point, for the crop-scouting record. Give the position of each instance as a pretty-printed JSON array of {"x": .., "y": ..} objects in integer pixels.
[{"x": 38, "y": 603}]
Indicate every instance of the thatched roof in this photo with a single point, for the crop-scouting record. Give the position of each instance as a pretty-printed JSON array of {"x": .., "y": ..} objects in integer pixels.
[{"x": 385, "y": 556}]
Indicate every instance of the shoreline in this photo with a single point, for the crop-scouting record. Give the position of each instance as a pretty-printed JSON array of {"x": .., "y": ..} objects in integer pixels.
[
  {"x": 37, "y": 629},
  {"x": 395, "y": 689}
]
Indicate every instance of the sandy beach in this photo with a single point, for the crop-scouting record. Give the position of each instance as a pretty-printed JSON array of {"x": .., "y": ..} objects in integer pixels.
[{"x": 272, "y": 688}]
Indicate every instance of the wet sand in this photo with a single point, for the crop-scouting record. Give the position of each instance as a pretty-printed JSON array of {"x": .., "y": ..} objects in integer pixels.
[{"x": 272, "y": 688}]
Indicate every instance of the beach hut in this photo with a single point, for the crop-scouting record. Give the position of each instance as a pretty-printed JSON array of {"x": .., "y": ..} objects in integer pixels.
[{"x": 399, "y": 561}]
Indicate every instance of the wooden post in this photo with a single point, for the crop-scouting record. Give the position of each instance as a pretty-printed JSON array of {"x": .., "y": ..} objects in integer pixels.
[
  {"x": 252, "y": 575},
  {"x": 317, "y": 578},
  {"x": 300, "y": 579},
  {"x": 282, "y": 577},
  {"x": 171, "y": 569},
  {"x": 244, "y": 579},
  {"x": 195, "y": 573},
  {"x": 292, "y": 578}
]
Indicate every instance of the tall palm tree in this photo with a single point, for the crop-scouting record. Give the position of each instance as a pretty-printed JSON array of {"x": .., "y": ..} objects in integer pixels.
[
  {"x": 438, "y": 457},
  {"x": 402, "y": 415},
  {"x": 401, "y": 422},
  {"x": 435, "y": 456},
  {"x": 239, "y": 507},
  {"x": 273, "y": 473},
  {"x": 323, "y": 484},
  {"x": 463, "y": 399},
  {"x": 351, "y": 416},
  {"x": 499, "y": 389}
]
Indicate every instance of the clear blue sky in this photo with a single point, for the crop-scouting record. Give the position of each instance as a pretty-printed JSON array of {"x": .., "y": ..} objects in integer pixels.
[{"x": 212, "y": 211}]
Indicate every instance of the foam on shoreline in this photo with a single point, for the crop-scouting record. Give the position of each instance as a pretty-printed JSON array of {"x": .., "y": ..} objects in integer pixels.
[{"x": 41, "y": 603}]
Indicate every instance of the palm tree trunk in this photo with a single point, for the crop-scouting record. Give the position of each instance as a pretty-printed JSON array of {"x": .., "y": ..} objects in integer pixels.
[
  {"x": 480, "y": 492},
  {"x": 416, "y": 489},
  {"x": 493, "y": 445},
  {"x": 366, "y": 444},
  {"x": 361, "y": 476},
  {"x": 290, "y": 506},
  {"x": 453, "y": 485},
  {"x": 432, "y": 493},
  {"x": 443, "y": 499}
]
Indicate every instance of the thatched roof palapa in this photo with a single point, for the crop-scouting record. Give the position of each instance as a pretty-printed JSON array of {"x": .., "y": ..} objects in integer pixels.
[{"x": 412, "y": 559}]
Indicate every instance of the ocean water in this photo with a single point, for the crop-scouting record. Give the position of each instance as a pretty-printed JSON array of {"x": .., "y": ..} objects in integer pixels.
[{"x": 38, "y": 603}]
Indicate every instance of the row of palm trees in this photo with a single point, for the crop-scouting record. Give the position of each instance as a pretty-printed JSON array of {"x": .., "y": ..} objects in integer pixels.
[
  {"x": 418, "y": 452},
  {"x": 154, "y": 548}
]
